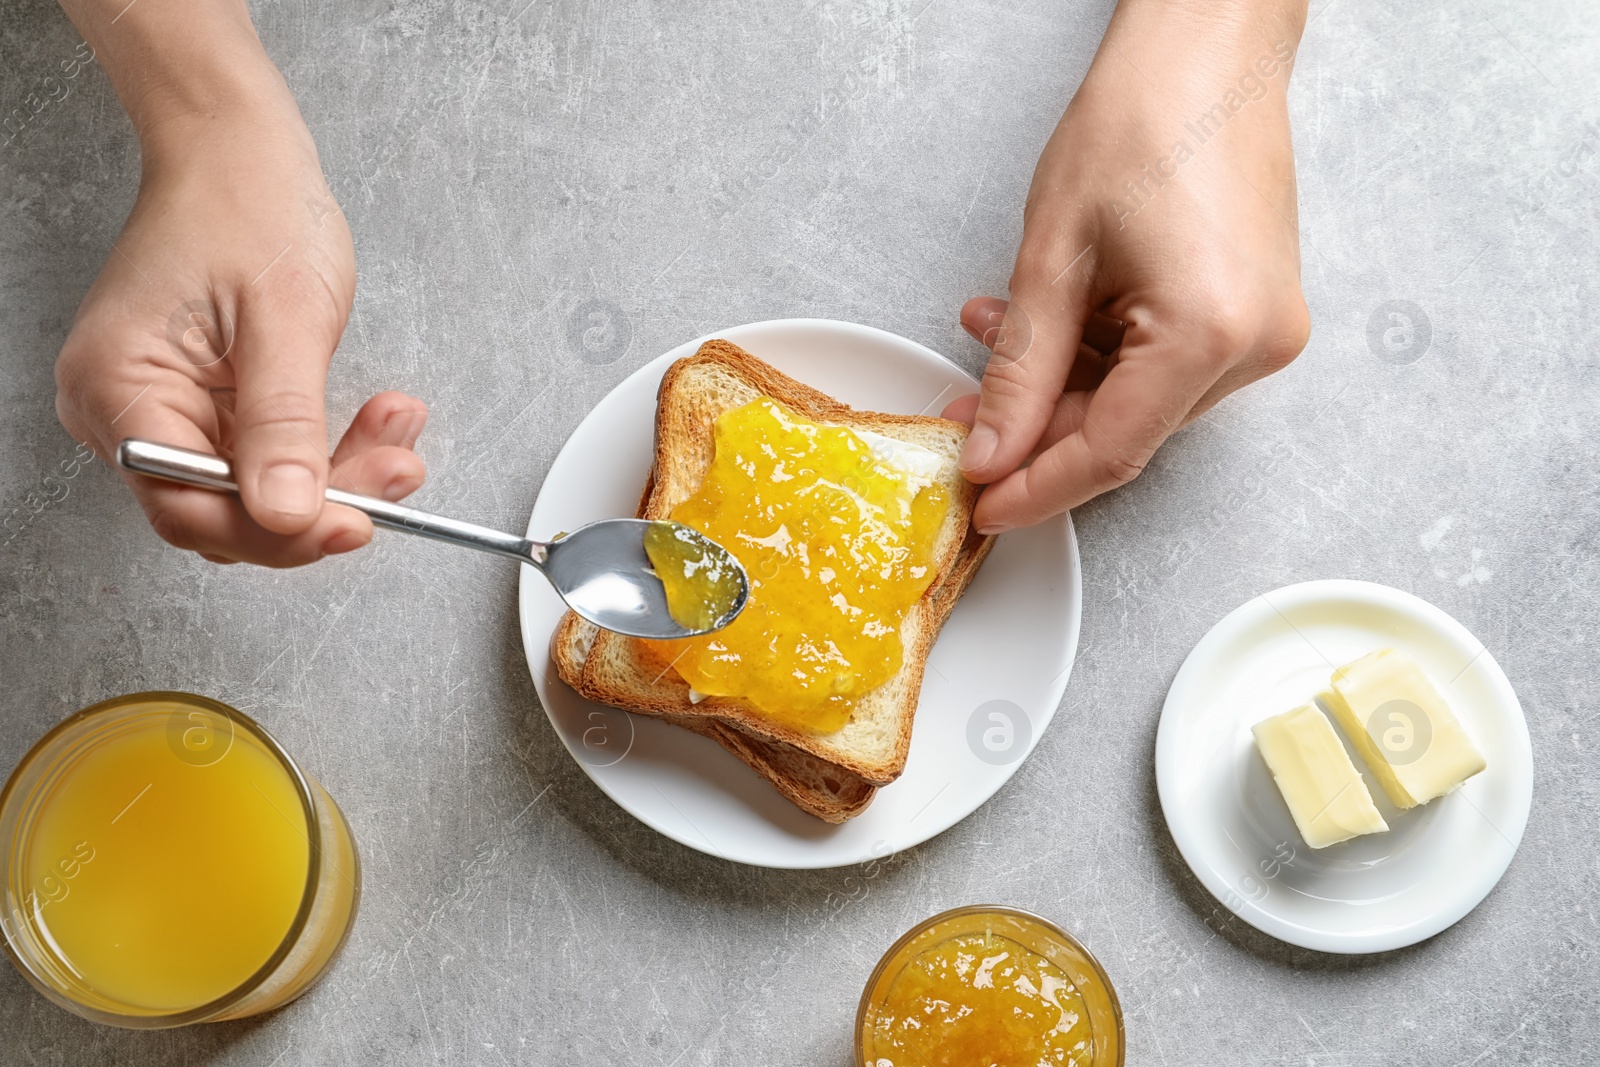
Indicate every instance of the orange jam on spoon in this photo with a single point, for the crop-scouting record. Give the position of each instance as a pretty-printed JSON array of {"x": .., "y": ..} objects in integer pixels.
[
  {"x": 700, "y": 585},
  {"x": 836, "y": 534}
]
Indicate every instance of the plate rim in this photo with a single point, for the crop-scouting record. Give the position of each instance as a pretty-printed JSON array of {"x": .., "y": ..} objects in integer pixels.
[
  {"x": 1454, "y": 908},
  {"x": 536, "y": 647}
]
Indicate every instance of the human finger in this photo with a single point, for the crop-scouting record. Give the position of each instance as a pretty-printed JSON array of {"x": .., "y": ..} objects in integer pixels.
[
  {"x": 1067, "y": 418},
  {"x": 388, "y": 472},
  {"x": 217, "y": 526},
  {"x": 280, "y": 433},
  {"x": 212, "y": 523},
  {"x": 1124, "y": 421},
  {"x": 1033, "y": 340},
  {"x": 390, "y": 418}
]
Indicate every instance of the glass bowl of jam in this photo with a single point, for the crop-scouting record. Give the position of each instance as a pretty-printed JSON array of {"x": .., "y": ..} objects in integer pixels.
[{"x": 993, "y": 985}]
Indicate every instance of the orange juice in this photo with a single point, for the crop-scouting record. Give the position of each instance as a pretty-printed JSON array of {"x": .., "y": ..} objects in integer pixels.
[
  {"x": 187, "y": 876},
  {"x": 167, "y": 860}
]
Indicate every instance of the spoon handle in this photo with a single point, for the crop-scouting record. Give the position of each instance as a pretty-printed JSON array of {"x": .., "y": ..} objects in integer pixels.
[{"x": 214, "y": 472}]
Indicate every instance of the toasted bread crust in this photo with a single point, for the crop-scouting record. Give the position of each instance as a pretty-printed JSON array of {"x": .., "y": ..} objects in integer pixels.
[
  {"x": 630, "y": 680},
  {"x": 816, "y": 786},
  {"x": 819, "y": 788}
]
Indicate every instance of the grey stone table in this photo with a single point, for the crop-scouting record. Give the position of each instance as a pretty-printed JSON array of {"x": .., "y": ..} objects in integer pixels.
[{"x": 507, "y": 170}]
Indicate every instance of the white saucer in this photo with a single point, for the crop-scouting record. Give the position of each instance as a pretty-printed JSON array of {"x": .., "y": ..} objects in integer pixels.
[
  {"x": 993, "y": 681},
  {"x": 1373, "y": 893}
]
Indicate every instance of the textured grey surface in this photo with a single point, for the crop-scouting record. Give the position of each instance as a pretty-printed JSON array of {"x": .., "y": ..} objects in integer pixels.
[{"x": 696, "y": 166}]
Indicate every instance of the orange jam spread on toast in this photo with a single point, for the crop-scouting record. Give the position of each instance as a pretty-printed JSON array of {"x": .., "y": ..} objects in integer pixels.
[
  {"x": 981, "y": 1000},
  {"x": 838, "y": 543}
]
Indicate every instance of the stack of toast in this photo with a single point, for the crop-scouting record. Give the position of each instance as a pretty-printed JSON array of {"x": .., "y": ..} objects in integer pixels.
[{"x": 833, "y": 776}]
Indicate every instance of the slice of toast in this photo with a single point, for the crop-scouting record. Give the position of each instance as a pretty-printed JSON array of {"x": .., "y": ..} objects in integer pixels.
[
  {"x": 618, "y": 671},
  {"x": 816, "y": 786}
]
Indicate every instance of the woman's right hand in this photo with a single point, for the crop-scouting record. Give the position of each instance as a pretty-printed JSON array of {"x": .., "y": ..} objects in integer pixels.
[
  {"x": 1159, "y": 268},
  {"x": 211, "y": 326}
]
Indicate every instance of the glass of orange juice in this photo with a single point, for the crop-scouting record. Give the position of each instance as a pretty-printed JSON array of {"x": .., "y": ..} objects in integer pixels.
[
  {"x": 167, "y": 862},
  {"x": 987, "y": 984}
]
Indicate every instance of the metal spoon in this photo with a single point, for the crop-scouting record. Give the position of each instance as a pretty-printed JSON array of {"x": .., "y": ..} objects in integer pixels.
[{"x": 600, "y": 570}]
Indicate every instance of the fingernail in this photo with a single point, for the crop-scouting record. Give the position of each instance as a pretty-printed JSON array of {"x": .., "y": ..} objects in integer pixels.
[
  {"x": 974, "y": 334},
  {"x": 994, "y": 528},
  {"x": 404, "y": 427},
  {"x": 399, "y": 486},
  {"x": 343, "y": 541},
  {"x": 289, "y": 489},
  {"x": 980, "y": 446}
]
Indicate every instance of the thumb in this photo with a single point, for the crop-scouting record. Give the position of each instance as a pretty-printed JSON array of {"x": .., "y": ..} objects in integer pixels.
[
  {"x": 280, "y": 430},
  {"x": 1034, "y": 340}
]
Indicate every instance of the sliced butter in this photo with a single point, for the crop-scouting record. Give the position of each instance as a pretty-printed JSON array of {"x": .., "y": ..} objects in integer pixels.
[
  {"x": 1325, "y": 793},
  {"x": 1402, "y": 727}
]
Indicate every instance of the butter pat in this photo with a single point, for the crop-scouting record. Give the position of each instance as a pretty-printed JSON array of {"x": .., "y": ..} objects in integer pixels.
[
  {"x": 920, "y": 466},
  {"x": 1402, "y": 727},
  {"x": 1324, "y": 791}
]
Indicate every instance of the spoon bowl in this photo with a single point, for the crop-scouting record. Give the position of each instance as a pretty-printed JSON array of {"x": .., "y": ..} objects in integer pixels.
[{"x": 604, "y": 574}]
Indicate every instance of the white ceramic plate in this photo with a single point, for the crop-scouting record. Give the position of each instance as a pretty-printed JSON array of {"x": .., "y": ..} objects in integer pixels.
[
  {"x": 996, "y": 674},
  {"x": 1373, "y": 893}
]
